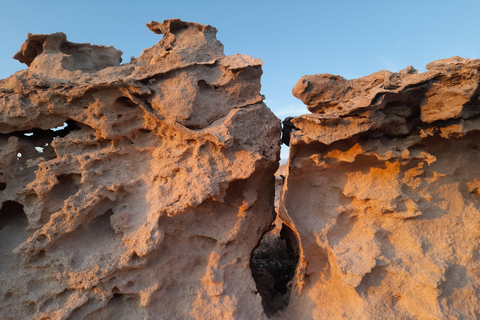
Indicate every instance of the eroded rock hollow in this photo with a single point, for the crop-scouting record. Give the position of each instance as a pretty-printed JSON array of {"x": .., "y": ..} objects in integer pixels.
[
  {"x": 134, "y": 191},
  {"x": 382, "y": 190}
]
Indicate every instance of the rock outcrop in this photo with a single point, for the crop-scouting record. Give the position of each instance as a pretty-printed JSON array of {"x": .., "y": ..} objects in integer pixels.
[
  {"x": 134, "y": 191},
  {"x": 382, "y": 191},
  {"x": 142, "y": 190}
]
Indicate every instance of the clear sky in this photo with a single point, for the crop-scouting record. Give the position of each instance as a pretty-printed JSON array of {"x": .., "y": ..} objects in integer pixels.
[{"x": 293, "y": 38}]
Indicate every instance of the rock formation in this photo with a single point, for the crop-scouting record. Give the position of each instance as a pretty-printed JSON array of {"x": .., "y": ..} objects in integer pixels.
[
  {"x": 382, "y": 190},
  {"x": 142, "y": 190},
  {"x": 134, "y": 191}
]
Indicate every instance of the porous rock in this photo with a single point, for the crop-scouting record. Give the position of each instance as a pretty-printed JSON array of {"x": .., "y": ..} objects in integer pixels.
[
  {"x": 149, "y": 203},
  {"x": 382, "y": 191}
]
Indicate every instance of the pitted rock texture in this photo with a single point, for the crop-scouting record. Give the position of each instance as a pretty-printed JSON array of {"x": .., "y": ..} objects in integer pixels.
[
  {"x": 72, "y": 56},
  {"x": 382, "y": 191},
  {"x": 149, "y": 203}
]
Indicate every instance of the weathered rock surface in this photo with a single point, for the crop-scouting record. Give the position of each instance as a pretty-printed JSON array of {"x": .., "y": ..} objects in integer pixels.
[
  {"x": 382, "y": 190},
  {"x": 150, "y": 202}
]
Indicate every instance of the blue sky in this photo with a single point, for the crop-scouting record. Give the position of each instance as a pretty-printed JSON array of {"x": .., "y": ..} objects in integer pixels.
[{"x": 349, "y": 38}]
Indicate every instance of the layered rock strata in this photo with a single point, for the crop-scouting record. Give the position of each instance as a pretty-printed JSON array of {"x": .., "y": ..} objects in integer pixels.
[
  {"x": 134, "y": 191},
  {"x": 383, "y": 191}
]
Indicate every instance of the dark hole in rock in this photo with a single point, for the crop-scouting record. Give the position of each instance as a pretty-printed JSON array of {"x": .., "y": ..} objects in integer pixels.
[
  {"x": 177, "y": 26},
  {"x": 70, "y": 126},
  {"x": 117, "y": 296},
  {"x": 3, "y": 186},
  {"x": 38, "y": 135},
  {"x": 273, "y": 264},
  {"x": 39, "y": 258},
  {"x": 32, "y": 307},
  {"x": 125, "y": 102},
  {"x": 134, "y": 257},
  {"x": 11, "y": 212},
  {"x": 68, "y": 185},
  {"x": 233, "y": 195}
]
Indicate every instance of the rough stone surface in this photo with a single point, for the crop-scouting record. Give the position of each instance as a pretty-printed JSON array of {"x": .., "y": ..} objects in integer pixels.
[
  {"x": 382, "y": 189},
  {"x": 150, "y": 202},
  {"x": 56, "y": 51}
]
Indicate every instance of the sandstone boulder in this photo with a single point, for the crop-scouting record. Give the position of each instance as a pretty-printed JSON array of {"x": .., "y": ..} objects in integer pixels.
[
  {"x": 382, "y": 191},
  {"x": 134, "y": 191}
]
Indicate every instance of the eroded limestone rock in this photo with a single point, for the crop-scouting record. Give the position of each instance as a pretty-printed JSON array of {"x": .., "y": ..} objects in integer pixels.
[
  {"x": 382, "y": 190},
  {"x": 149, "y": 203},
  {"x": 41, "y": 51}
]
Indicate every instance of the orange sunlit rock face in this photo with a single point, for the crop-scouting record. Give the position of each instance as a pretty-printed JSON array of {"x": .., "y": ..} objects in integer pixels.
[
  {"x": 150, "y": 201},
  {"x": 382, "y": 192}
]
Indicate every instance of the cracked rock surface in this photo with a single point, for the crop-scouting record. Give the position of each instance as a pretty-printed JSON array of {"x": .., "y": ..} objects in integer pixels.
[
  {"x": 148, "y": 204},
  {"x": 382, "y": 190}
]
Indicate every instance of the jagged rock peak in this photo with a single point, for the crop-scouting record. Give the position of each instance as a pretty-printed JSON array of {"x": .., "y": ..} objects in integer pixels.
[
  {"x": 183, "y": 40},
  {"x": 175, "y": 26}
]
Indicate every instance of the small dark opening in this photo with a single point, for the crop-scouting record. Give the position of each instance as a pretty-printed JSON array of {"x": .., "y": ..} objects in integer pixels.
[
  {"x": 36, "y": 134},
  {"x": 3, "y": 186},
  {"x": 11, "y": 212},
  {"x": 273, "y": 264},
  {"x": 125, "y": 102}
]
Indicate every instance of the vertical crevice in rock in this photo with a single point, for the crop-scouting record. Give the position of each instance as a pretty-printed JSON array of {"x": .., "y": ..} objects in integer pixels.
[
  {"x": 287, "y": 128},
  {"x": 273, "y": 263}
]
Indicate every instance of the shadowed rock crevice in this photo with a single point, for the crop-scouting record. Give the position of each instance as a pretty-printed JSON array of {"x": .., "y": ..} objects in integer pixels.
[
  {"x": 36, "y": 134},
  {"x": 273, "y": 265},
  {"x": 287, "y": 128}
]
